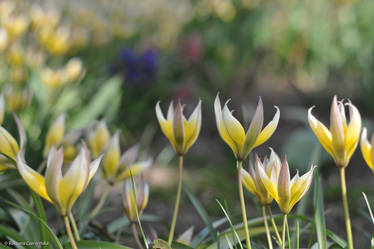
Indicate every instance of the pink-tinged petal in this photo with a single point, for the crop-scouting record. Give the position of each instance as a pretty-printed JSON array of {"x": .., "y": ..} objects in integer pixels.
[
  {"x": 366, "y": 149},
  {"x": 337, "y": 132},
  {"x": 269, "y": 129},
  {"x": 353, "y": 130},
  {"x": 53, "y": 175},
  {"x": 284, "y": 187},
  {"x": 178, "y": 128}
]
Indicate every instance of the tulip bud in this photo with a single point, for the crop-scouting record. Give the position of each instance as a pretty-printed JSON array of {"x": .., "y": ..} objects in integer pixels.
[
  {"x": 135, "y": 199},
  {"x": 178, "y": 128},
  {"x": 98, "y": 138},
  {"x": 112, "y": 157},
  {"x": 284, "y": 191}
]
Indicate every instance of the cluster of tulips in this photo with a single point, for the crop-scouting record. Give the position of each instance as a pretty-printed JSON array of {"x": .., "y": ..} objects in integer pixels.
[{"x": 268, "y": 179}]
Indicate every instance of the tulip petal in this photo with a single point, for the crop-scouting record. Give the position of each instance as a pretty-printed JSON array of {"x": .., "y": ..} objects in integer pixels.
[
  {"x": 284, "y": 187},
  {"x": 222, "y": 129},
  {"x": 253, "y": 130},
  {"x": 33, "y": 179},
  {"x": 322, "y": 133},
  {"x": 135, "y": 169},
  {"x": 269, "y": 129},
  {"x": 178, "y": 128},
  {"x": 337, "y": 130},
  {"x": 366, "y": 149},
  {"x": 234, "y": 129},
  {"x": 129, "y": 156},
  {"x": 112, "y": 156},
  {"x": 53, "y": 175},
  {"x": 353, "y": 130},
  {"x": 8, "y": 145},
  {"x": 55, "y": 133},
  {"x": 192, "y": 127},
  {"x": 270, "y": 186},
  {"x": 248, "y": 182},
  {"x": 300, "y": 186},
  {"x": 166, "y": 125},
  {"x": 93, "y": 168}
]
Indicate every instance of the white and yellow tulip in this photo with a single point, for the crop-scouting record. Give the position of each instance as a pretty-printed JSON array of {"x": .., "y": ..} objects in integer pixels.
[
  {"x": 252, "y": 179},
  {"x": 233, "y": 133},
  {"x": 342, "y": 138},
  {"x": 135, "y": 200},
  {"x": 367, "y": 149},
  {"x": 286, "y": 192},
  {"x": 181, "y": 132},
  {"x": 98, "y": 138},
  {"x": 117, "y": 168}
]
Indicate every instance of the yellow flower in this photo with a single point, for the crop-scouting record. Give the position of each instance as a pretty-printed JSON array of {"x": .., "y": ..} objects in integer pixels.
[
  {"x": 61, "y": 190},
  {"x": 135, "y": 200},
  {"x": 2, "y": 109},
  {"x": 181, "y": 132},
  {"x": 98, "y": 138},
  {"x": 232, "y": 132},
  {"x": 342, "y": 138},
  {"x": 57, "y": 40},
  {"x": 16, "y": 25},
  {"x": 55, "y": 133},
  {"x": 3, "y": 39},
  {"x": 252, "y": 180},
  {"x": 53, "y": 79},
  {"x": 117, "y": 168},
  {"x": 17, "y": 99},
  {"x": 8, "y": 150},
  {"x": 286, "y": 192},
  {"x": 367, "y": 149},
  {"x": 74, "y": 70},
  {"x": 43, "y": 17}
]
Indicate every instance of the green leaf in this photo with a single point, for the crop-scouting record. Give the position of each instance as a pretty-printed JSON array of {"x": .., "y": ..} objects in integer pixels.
[
  {"x": 336, "y": 238},
  {"x": 41, "y": 214},
  {"x": 372, "y": 241},
  {"x": 51, "y": 233},
  {"x": 14, "y": 235},
  {"x": 100, "y": 103},
  {"x": 319, "y": 216},
  {"x": 90, "y": 244},
  {"x": 202, "y": 212}
]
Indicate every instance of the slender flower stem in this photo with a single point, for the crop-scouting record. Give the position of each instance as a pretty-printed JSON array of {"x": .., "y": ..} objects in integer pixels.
[
  {"x": 70, "y": 234},
  {"x": 74, "y": 225},
  {"x": 100, "y": 204},
  {"x": 244, "y": 213},
  {"x": 346, "y": 211},
  {"x": 176, "y": 207},
  {"x": 273, "y": 224},
  {"x": 134, "y": 232},
  {"x": 267, "y": 228},
  {"x": 284, "y": 231}
]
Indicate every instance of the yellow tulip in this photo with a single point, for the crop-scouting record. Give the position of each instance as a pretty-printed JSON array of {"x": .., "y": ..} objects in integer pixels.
[
  {"x": 15, "y": 25},
  {"x": 117, "y": 168},
  {"x": 367, "y": 149},
  {"x": 16, "y": 99},
  {"x": 55, "y": 133},
  {"x": 98, "y": 138},
  {"x": 252, "y": 180},
  {"x": 8, "y": 150},
  {"x": 232, "y": 132},
  {"x": 181, "y": 132},
  {"x": 3, "y": 39},
  {"x": 135, "y": 200},
  {"x": 53, "y": 79},
  {"x": 61, "y": 190},
  {"x": 74, "y": 70},
  {"x": 342, "y": 138},
  {"x": 286, "y": 192}
]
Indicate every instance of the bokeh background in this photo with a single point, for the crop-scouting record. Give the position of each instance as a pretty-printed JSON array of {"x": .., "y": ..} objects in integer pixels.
[{"x": 113, "y": 60}]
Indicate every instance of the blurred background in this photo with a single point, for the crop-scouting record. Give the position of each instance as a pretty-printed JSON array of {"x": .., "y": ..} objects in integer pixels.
[{"x": 113, "y": 60}]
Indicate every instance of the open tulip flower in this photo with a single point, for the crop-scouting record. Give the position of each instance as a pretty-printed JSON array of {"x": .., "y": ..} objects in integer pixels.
[
  {"x": 61, "y": 190},
  {"x": 117, "y": 168},
  {"x": 233, "y": 133},
  {"x": 252, "y": 180},
  {"x": 367, "y": 149},
  {"x": 181, "y": 132},
  {"x": 342, "y": 138},
  {"x": 286, "y": 192}
]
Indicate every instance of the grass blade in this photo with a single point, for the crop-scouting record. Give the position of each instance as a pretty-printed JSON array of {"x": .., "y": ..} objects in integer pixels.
[
  {"x": 202, "y": 212},
  {"x": 368, "y": 204},
  {"x": 319, "y": 216},
  {"x": 41, "y": 214}
]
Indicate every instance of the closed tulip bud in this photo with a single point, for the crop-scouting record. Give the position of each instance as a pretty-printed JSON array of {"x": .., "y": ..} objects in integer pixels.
[
  {"x": 55, "y": 133},
  {"x": 342, "y": 138},
  {"x": 62, "y": 190},
  {"x": 74, "y": 69},
  {"x": 181, "y": 132},
  {"x": 135, "y": 200},
  {"x": 252, "y": 180},
  {"x": 98, "y": 138},
  {"x": 233, "y": 133},
  {"x": 287, "y": 192},
  {"x": 367, "y": 149},
  {"x": 8, "y": 150},
  {"x": 116, "y": 167}
]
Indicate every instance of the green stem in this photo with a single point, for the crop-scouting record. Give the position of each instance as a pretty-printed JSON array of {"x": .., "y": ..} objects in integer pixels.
[
  {"x": 100, "y": 204},
  {"x": 267, "y": 228},
  {"x": 274, "y": 225},
  {"x": 133, "y": 227},
  {"x": 244, "y": 213},
  {"x": 284, "y": 231},
  {"x": 74, "y": 225},
  {"x": 346, "y": 211},
  {"x": 70, "y": 234},
  {"x": 176, "y": 207}
]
